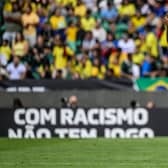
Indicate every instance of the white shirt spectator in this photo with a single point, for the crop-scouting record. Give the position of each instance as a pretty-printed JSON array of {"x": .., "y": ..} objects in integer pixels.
[
  {"x": 91, "y": 4},
  {"x": 88, "y": 44},
  {"x": 127, "y": 46},
  {"x": 103, "y": 4},
  {"x": 3, "y": 60},
  {"x": 99, "y": 34},
  {"x": 16, "y": 72},
  {"x": 117, "y": 3},
  {"x": 135, "y": 71},
  {"x": 3, "y": 72},
  {"x": 145, "y": 9}
]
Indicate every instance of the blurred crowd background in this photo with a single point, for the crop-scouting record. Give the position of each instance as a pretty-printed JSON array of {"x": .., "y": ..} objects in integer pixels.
[{"x": 81, "y": 39}]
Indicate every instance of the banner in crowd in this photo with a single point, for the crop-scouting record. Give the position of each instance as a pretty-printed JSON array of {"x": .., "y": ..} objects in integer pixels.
[
  {"x": 46, "y": 85},
  {"x": 152, "y": 84},
  {"x": 83, "y": 123}
]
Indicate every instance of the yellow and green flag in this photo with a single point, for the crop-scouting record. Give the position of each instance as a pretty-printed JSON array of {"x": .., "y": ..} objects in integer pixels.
[{"x": 152, "y": 84}]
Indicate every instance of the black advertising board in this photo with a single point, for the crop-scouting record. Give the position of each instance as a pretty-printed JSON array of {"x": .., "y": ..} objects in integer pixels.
[
  {"x": 83, "y": 123},
  {"x": 45, "y": 85}
]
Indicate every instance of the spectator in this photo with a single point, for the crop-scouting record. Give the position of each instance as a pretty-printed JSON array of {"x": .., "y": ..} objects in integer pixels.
[
  {"x": 162, "y": 36},
  {"x": 138, "y": 20},
  {"x": 127, "y": 8},
  {"x": 114, "y": 64},
  {"x": 127, "y": 44},
  {"x": 144, "y": 7},
  {"x": 29, "y": 21},
  {"x": 149, "y": 67},
  {"x": 151, "y": 41},
  {"x": 110, "y": 42},
  {"x": 42, "y": 28},
  {"x": 138, "y": 56},
  {"x": 84, "y": 66},
  {"x": 20, "y": 46},
  {"x": 88, "y": 42},
  {"x": 3, "y": 71},
  {"x": 71, "y": 33},
  {"x": 99, "y": 30},
  {"x": 3, "y": 74},
  {"x": 58, "y": 24},
  {"x": 158, "y": 8},
  {"x": 5, "y": 52},
  {"x": 47, "y": 60},
  {"x": 92, "y": 5},
  {"x": 116, "y": 58},
  {"x": 88, "y": 22},
  {"x": 16, "y": 69},
  {"x": 61, "y": 54},
  {"x": 12, "y": 22},
  {"x": 98, "y": 69},
  {"x": 39, "y": 46},
  {"x": 109, "y": 13},
  {"x": 129, "y": 69},
  {"x": 71, "y": 17},
  {"x": 80, "y": 9}
]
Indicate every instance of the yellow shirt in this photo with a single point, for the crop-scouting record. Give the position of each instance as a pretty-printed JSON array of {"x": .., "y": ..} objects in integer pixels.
[
  {"x": 31, "y": 19},
  {"x": 127, "y": 10},
  {"x": 60, "y": 57},
  {"x": 163, "y": 39},
  {"x": 66, "y": 2},
  {"x": 88, "y": 23},
  {"x": 6, "y": 51},
  {"x": 80, "y": 10},
  {"x": 33, "y": 5},
  {"x": 112, "y": 58},
  {"x": 84, "y": 71},
  {"x": 151, "y": 43},
  {"x": 99, "y": 73},
  {"x": 116, "y": 69},
  {"x": 71, "y": 34},
  {"x": 138, "y": 22},
  {"x": 19, "y": 48},
  {"x": 138, "y": 58},
  {"x": 143, "y": 47},
  {"x": 8, "y": 7},
  {"x": 57, "y": 22}
]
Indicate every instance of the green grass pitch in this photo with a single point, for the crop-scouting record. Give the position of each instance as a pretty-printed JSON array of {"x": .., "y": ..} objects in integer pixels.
[{"x": 91, "y": 153}]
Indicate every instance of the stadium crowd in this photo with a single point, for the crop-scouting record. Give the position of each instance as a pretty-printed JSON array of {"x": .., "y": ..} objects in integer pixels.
[{"x": 81, "y": 39}]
